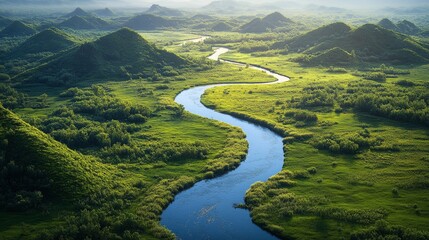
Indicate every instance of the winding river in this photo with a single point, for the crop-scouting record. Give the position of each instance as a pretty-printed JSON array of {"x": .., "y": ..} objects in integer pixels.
[{"x": 206, "y": 210}]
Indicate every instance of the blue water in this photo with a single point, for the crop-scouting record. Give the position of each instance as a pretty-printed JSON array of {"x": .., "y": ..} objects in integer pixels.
[{"x": 206, "y": 210}]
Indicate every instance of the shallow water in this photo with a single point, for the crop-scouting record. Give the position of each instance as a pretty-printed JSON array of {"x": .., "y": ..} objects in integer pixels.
[{"x": 206, "y": 210}]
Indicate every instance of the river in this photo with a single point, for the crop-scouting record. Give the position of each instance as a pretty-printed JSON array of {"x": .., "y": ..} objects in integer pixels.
[{"x": 206, "y": 210}]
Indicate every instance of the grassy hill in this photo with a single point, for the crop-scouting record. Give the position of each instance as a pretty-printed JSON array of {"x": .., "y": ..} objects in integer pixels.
[
  {"x": 4, "y": 22},
  {"x": 149, "y": 22},
  {"x": 78, "y": 12},
  {"x": 387, "y": 24},
  {"x": 270, "y": 22},
  {"x": 156, "y": 9},
  {"x": 16, "y": 29},
  {"x": 50, "y": 40},
  {"x": 82, "y": 22},
  {"x": 315, "y": 37},
  {"x": 105, "y": 12},
  {"x": 408, "y": 27},
  {"x": 221, "y": 27},
  {"x": 36, "y": 166},
  {"x": 371, "y": 43},
  {"x": 405, "y": 27},
  {"x": 117, "y": 55}
]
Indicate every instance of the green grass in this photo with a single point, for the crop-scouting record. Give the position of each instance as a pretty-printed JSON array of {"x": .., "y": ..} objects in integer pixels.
[
  {"x": 349, "y": 182},
  {"x": 160, "y": 180}
]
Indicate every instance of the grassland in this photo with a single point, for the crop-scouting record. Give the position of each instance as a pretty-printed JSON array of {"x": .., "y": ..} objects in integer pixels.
[
  {"x": 140, "y": 190},
  {"x": 326, "y": 194}
]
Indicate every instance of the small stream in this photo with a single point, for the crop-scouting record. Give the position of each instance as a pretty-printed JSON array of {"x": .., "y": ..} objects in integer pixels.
[{"x": 206, "y": 210}]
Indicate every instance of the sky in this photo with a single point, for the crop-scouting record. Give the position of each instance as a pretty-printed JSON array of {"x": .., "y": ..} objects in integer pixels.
[{"x": 353, "y": 4}]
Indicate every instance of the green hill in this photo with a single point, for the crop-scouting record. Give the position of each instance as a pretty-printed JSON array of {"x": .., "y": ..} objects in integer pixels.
[
  {"x": 80, "y": 22},
  {"x": 150, "y": 22},
  {"x": 405, "y": 27},
  {"x": 371, "y": 43},
  {"x": 331, "y": 57},
  {"x": 4, "y": 22},
  {"x": 106, "y": 12},
  {"x": 221, "y": 27},
  {"x": 156, "y": 9},
  {"x": 408, "y": 27},
  {"x": 78, "y": 12},
  {"x": 37, "y": 167},
  {"x": 277, "y": 19},
  {"x": 270, "y": 22},
  {"x": 16, "y": 29},
  {"x": 50, "y": 40},
  {"x": 387, "y": 24},
  {"x": 315, "y": 37},
  {"x": 121, "y": 54}
]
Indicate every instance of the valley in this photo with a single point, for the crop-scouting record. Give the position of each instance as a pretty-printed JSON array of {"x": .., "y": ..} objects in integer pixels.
[{"x": 168, "y": 123}]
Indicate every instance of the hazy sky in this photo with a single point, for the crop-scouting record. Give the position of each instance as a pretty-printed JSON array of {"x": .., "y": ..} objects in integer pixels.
[{"x": 198, "y": 3}]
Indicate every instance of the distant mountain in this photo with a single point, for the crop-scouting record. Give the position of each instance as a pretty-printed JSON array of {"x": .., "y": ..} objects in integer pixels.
[
  {"x": 50, "y": 40},
  {"x": 106, "y": 12},
  {"x": 315, "y": 37},
  {"x": 35, "y": 162},
  {"x": 405, "y": 27},
  {"x": 222, "y": 27},
  {"x": 4, "y": 22},
  {"x": 17, "y": 29},
  {"x": 150, "y": 22},
  {"x": 227, "y": 6},
  {"x": 370, "y": 43},
  {"x": 77, "y": 12},
  {"x": 81, "y": 22},
  {"x": 156, "y": 9},
  {"x": 408, "y": 27},
  {"x": 268, "y": 23},
  {"x": 202, "y": 17},
  {"x": 117, "y": 55},
  {"x": 387, "y": 24}
]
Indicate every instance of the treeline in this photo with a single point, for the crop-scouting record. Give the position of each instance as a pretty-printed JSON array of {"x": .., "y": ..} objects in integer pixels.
[
  {"x": 97, "y": 121},
  {"x": 398, "y": 103},
  {"x": 383, "y": 230},
  {"x": 274, "y": 196},
  {"x": 349, "y": 143}
]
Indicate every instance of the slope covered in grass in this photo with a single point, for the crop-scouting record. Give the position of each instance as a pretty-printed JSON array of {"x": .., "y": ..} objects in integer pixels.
[
  {"x": 371, "y": 43},
  {"x": 268, "y": 23},
  {"x": 116, "y": 55},
  {"x": 34, "y": 162},
  {"x": 150, "y": 22},
  {"x": 156, "y": 9},
  {"x": 50, "y": 40},
  {"x": 84, "y": 22},
  {"x": 16, "y": 29}
]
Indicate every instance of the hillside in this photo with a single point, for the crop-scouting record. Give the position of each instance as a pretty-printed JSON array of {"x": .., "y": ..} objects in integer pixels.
[
  {"x": 79, "y": 23},
  {"x": 371, "y": 43},
  {"x": 387, "y": 24},
  {"x": 266, "y": 24},
  {"x": 158, "y": 10},
  {"x": 78, "y": 12},
  {"x": 4, "y": 22},
  {"x": 121, "y": 54},
  {"x": 150, "y": 22},
  {"x": 50, "y": 40},
  {"x": 315, "y": 37},
  {"x": 408, "y": 27},
  {"x": 37, "y": 167},
  {"x": 106, "y": 12},
  {"x": 405, "y": 27},
  {"x": 221, "y": 27},
  {"x": 17, "y": 29}
]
